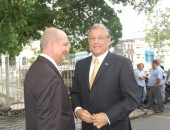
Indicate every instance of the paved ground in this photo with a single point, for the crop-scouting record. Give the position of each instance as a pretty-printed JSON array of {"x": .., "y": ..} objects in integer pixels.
[
  {"x": 16, "y": 122},
  {"x": 159, "y": 121},
  {"x": 140, "y": 121}
]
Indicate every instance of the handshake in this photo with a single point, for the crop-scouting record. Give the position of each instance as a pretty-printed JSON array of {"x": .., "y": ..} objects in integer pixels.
[{"x": 98, "y": 120}]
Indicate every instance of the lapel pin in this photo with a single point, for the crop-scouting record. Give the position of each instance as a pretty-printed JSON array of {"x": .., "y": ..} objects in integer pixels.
[{"x": 106, "y": 63}]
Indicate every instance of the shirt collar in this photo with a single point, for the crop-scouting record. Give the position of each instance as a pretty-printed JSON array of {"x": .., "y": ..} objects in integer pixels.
[
  {"x": 157, "y": 67},
  {"x": 101, "y": 57},
  {"x": 50, "y": 59}
]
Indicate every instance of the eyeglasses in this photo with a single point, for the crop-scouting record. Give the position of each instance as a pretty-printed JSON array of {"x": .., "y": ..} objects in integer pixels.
[{"x": 100, "y": 38}]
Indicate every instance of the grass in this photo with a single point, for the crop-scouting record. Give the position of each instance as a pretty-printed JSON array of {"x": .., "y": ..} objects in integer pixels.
[{"x": 7, "y": 98}]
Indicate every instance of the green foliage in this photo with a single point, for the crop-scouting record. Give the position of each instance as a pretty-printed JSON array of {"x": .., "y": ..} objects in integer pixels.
[
  {"x": 14, "y": 31},
  {"x": 36, "y": 53},
  {"x": 23, "y": 20},
  {"x": 76, "y": 17},
  {"x": 159, "y": 28},
  {"x": 7, "y": 98},
  {"x": 139, "y": 5}
]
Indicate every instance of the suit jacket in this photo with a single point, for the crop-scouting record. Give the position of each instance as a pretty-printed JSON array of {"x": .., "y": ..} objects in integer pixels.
[
  {"x": 47, "y": 104},
  {"x": 114, "y": 91}
]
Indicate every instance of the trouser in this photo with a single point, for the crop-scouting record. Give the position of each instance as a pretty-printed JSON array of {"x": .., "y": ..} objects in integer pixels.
[
  {"x": 163, "y": 92},
  {"x": 155, "y": 94},
  {"x": 144, "y": 94},
  {"x": 141, "y": 88}
]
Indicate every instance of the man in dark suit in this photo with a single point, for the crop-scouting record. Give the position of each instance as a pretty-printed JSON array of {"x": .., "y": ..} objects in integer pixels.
[
  {"x": 47, "y": 104},
  {"x": 104, "y": 101}
]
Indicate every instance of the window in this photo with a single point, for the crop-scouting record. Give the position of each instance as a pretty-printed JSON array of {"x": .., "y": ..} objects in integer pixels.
[
  {"x": 132, "y": 58},
  {"x": 128, "y": 46},
  {"x": 12, "y": 62},
  {"x": 124, "y": 46},
  {"x": 24, "y": 60}
]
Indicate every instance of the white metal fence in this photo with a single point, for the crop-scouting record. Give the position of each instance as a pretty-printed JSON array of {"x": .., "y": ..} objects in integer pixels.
[{"x": 12, "y": 75}]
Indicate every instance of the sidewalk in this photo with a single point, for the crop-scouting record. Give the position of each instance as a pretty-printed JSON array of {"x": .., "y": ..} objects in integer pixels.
[
  {"x": 134, "y": 115},
  {"x": 17, "y": 121},
  {"x": 143, "y": 113},
  {"x": 140, "y": 113}
]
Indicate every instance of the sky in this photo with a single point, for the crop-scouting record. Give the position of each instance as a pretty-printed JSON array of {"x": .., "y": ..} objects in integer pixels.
[{"x": 134, "y": 23}]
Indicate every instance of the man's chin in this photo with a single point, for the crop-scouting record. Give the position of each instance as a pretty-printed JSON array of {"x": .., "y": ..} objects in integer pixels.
[
  {"x": 97, "y": 53},
  {"x": 62, "y": 60}
]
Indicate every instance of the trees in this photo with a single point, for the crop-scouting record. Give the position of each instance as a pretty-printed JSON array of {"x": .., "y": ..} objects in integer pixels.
[
  {"x": 158, "y": 31},
  {"x": 14, "y": 32},
  {"x": 140, "y": 5},
  {"x": 78, "y": 17},
  {"x": 23, "y": 20}
]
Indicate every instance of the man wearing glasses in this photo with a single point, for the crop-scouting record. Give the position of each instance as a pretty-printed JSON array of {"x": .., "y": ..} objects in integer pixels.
[{"x": 104, "y": 90}]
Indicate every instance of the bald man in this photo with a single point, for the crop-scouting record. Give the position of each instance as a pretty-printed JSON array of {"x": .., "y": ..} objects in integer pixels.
[{"x": 47, "y": 103}]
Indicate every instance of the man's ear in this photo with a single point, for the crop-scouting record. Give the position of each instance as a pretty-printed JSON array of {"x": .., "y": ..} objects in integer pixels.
[
  {"x": 109, "y": 42},
  {"x": 50, "y": 45}
]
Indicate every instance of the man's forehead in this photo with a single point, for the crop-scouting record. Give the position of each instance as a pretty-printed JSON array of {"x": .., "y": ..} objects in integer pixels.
[{"x": 97, "y": 31}]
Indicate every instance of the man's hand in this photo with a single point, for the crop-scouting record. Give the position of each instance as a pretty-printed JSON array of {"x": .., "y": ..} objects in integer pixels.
[
  {"x": 84, "y": 115},
  {"x": 99, "y": 120}
]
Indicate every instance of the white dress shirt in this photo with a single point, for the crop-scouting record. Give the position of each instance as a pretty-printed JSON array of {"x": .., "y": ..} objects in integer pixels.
[
  {"x": 51, "y": 60},
  {"x": 138, "y": 75},
  {"x": 100, "y": 59}
]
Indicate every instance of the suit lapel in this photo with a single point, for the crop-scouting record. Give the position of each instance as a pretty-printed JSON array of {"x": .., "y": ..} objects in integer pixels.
[
  {"x": 107, "y": 62},
  {"x": 43, "y": 59},
  {"x": 87, "y": 71}
]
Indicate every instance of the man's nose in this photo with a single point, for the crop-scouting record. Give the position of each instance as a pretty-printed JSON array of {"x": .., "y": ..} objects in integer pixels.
[{"x": 96, "y": 40}]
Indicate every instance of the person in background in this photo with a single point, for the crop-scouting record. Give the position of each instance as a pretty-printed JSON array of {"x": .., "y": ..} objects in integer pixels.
[
  {"x": 156, "y": 82},
  {"x": 167, "y": 76},
  {"x": 159, "y": 63},
  {"x": 104, "y": 90},
  {"x": 140, "y": 78},
  {"x": 162, "y": 87},
  {"x": 47, "y": 104}
]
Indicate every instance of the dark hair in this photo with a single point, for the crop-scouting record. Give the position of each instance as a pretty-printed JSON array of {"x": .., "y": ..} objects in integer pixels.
[
  {"x": 138, "y": 65},
  {"x": 155, "y": 62}
]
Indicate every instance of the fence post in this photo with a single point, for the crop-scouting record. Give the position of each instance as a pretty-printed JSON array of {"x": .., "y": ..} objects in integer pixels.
[{"x": 7, "y": 74}]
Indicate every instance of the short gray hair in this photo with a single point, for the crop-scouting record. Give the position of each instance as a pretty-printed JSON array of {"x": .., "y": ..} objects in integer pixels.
[
  {"x": 100, "y": 26},
  {"x": 49, "y": 34}
]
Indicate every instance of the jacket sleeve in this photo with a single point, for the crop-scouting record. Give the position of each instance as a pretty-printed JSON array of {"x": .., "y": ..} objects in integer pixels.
[
  {"x": 75, "y": 92},
  {"x": 130, "y": 94},
  {"x": 49, "y": 102}
]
